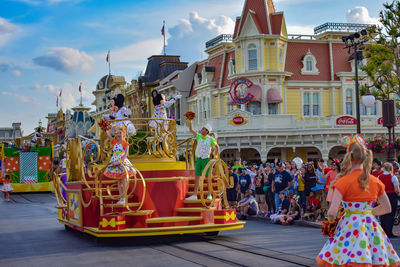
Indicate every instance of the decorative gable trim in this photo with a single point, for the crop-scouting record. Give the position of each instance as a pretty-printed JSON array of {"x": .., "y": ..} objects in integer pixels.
[{"x": 309, "y": 68}]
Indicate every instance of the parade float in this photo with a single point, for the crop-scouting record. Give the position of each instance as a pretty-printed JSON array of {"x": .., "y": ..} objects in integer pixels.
[
  {"x": 29, "y": 163},
  {"x": 155, "y": 196}
]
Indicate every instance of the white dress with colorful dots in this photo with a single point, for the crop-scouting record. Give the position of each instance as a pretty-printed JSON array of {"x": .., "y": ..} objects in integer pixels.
[{"x": 359, "y": 238}]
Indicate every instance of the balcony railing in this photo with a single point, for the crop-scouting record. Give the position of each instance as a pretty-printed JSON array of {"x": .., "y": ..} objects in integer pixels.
[
  {"x": 340, "y": 27},
  {"x": 223, "y": 38}
]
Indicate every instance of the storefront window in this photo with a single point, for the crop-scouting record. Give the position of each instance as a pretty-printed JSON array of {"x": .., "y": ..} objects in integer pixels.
[
  {"x": 272, "y": 108},
  {"x": 254, "y": 107}
]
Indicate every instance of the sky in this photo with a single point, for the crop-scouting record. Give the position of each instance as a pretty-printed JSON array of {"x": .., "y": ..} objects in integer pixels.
[{"x": 49, "y": 45}]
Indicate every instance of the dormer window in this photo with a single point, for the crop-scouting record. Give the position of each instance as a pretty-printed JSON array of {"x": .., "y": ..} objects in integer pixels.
[
  {"x": 309, "y": 64},
  {"x": 252, "y": 57}
]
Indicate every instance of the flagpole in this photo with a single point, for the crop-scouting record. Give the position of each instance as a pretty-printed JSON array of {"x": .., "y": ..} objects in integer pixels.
[
  {"x": 80, "y": 90},
  {"x": 109, "y": 63},
  {"x": 164, "y": 35},
  {"x": 61, "y": 98}
]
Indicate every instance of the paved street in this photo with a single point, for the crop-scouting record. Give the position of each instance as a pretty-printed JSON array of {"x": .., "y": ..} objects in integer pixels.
[{"x": 31, "y": 236}]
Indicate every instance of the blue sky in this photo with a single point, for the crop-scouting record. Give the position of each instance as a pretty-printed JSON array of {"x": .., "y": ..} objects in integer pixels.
[{"x": 46, "y": 45}]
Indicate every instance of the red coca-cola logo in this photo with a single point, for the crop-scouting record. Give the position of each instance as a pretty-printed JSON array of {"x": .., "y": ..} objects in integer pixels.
[
  {"x": 238, "y": 120},
  {"x": 346, "y": 120},
  {"x": 380, "y": 120}
]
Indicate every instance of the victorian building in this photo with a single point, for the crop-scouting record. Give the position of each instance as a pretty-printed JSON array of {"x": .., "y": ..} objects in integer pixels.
[
  {"x": 271, "y": 94},
  {"x": 9, "y": 134}
]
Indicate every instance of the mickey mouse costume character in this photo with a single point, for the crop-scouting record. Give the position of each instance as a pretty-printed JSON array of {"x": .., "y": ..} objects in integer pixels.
[
  {"x": 160, "y": 108},
  {"x": 119, "y": 112},
  {"x": 36, "y": 138}
]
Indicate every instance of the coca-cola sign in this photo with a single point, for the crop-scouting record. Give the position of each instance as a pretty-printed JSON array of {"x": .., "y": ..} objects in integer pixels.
[
  {"x": 238, "y": 120},
  {"x": 380, "y": 120},
  {"x": 346, "y": 120}
]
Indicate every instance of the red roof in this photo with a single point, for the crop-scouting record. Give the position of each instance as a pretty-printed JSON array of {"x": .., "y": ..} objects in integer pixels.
[
  {"x": 340, "y": 59},
  {"x": 276, "y": 23},
  {"x": 262, "y": 12},
  {"x": 295, "y": 53},
  {"x": 236, "y": 27}
]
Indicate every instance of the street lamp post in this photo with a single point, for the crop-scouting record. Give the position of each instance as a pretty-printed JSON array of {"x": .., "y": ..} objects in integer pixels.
[{"x": 354, "y": 41}]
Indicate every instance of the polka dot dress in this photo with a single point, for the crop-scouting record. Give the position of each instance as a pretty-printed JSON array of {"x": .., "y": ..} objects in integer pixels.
[{"x": 359, "y": 238}]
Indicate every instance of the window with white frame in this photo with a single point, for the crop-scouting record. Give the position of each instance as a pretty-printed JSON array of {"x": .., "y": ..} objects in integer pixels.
[
  {"x": 254, "y": 107},
  {"x": 252, "y": 56},
  {"x": 309, "y": 64},
  {"x": 316, "y": 111},
  {"x": 363, "y": 109},
  {"x": 349, "y": 102},
  {"x": 306, "y": 104},
  {"x": 273, "y": 108},
  {"x": 311, "y": 104}
]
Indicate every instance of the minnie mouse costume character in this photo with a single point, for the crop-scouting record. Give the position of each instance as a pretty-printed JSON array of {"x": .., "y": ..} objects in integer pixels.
[
  {"x": 119, "y": 112},
  {"x": 160, "y": 108}
]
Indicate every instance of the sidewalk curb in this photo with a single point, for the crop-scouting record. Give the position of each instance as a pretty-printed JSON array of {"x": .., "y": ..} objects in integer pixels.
[{"x": 297, "y": 222}]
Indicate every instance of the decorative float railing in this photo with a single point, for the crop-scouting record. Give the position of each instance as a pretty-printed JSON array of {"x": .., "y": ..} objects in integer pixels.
[{"x": 164, "y": 178}]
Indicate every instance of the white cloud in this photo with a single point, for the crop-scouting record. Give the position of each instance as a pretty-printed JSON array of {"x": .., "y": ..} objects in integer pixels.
[
  {"x": 360, "y": 14},
  {"x": 16, "y": 73},
  {"x": 20, "y": 98},
  {"x": 189, "y": 36},
  {"x": 70, "y": 96},
  {"x": 66, "y": 59},
  {"x": 300, "y": 29},
  {"x": 7, "y": 31},
  {"x": 135, "y": 52}
]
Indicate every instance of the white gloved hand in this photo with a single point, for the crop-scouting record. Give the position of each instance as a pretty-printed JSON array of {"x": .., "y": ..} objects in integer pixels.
[{"x": 178, "y": 96}]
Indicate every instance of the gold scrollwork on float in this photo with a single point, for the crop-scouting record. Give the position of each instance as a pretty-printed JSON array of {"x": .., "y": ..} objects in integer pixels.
[{"x": 218, "y": 176}]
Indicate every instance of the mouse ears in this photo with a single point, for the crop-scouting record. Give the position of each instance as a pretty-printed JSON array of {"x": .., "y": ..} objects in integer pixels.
[
  {"x": 346, "y": 141},
  {"x": 154, "y": 93}
]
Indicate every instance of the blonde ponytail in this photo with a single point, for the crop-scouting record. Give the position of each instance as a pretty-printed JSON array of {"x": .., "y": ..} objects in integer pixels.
[
  {"x": 346, "y": 165},
  {"x": 364, "y": 177}
]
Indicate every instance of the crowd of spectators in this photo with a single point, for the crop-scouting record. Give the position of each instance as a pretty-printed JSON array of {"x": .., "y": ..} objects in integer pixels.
[{"x": 286, "y": 191}]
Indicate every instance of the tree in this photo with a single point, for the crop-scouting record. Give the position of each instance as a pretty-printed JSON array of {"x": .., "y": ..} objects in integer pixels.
[{"x": 383, "y": 62}]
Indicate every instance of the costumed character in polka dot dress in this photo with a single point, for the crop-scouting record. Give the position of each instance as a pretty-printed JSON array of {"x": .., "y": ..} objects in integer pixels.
[
  {"x": 119, "y": 160},
  {"x": 119, "y": 112},
  {"x": 358, "y": 239},
  {"x": 160, "y": 109}
]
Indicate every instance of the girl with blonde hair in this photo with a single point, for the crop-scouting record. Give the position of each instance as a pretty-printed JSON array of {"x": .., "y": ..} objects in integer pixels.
[{"x": 358, "y": 240}]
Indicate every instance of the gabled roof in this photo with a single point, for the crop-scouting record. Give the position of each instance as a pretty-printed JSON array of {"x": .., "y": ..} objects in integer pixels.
[
  {"x": 260, "y": 11},
  {"x": 160, "y": 66}
]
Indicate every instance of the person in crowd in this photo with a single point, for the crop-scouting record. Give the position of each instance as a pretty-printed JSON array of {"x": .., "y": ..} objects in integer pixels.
[
  {"x": 248, "y": 205},
  {"x": 376, "y": 167},
  {"x": 359, "y": 240},
  {"x": 244, "y": 182},
  {"x": 252, "y": 171},
  {"x": 331, "y": 178},
  {"x": 313, "y": 207},
  {"x": 6, "y": 188},
  {"x": 238, "y": 164},
  {"x": 293, "y": 212},
  {"x": 268, "y": 175},
  {"x": 283, "y": 208},
  {"x": 300, "y": 174},
  {"x": 205, "y": 143},
  {"x": 310, "y": 178},
  {"x": 231, "y": 193},
  {"x": 320, "y": 185},
  {"x": 281, "y": 183},
  {"x": 392, "y": 191},
  {"x": 260, "y": 195}
]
